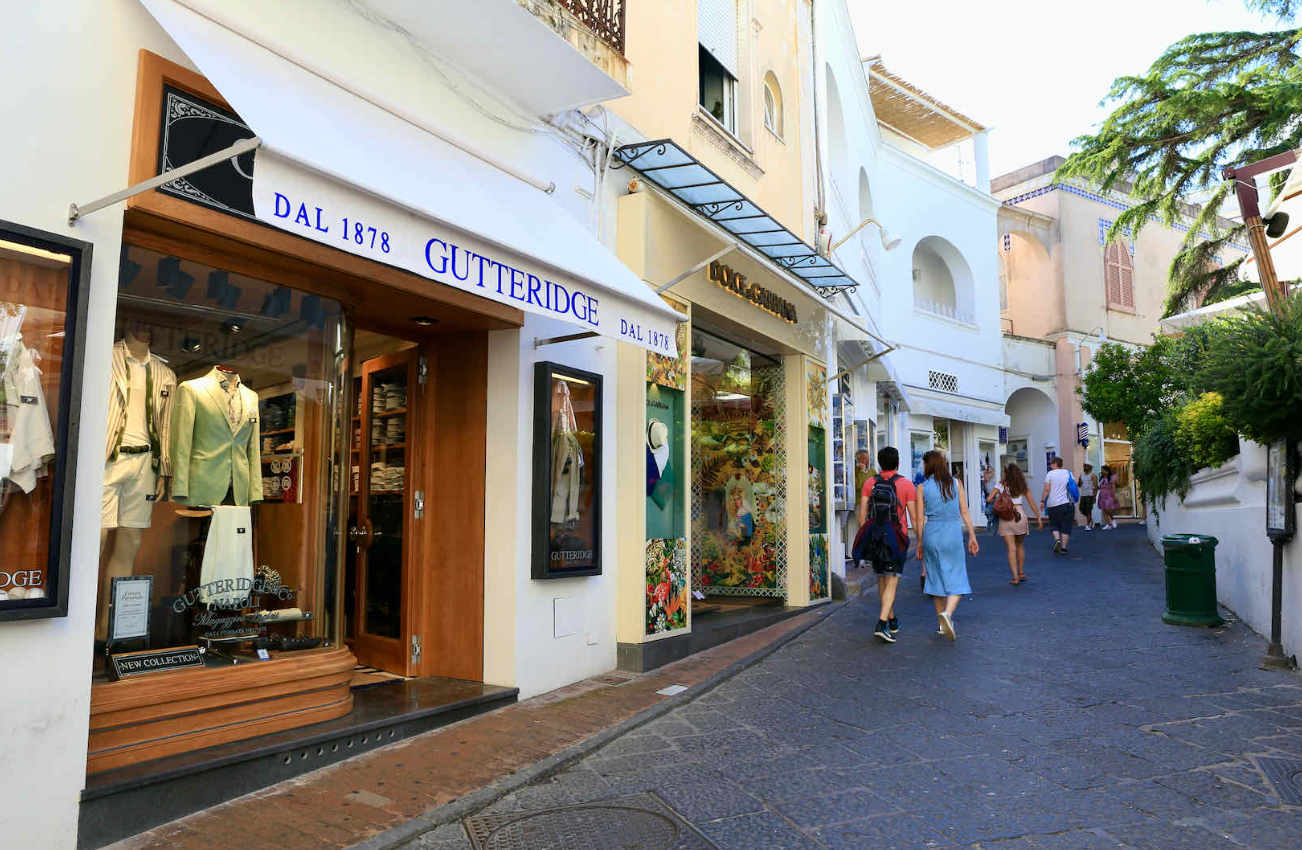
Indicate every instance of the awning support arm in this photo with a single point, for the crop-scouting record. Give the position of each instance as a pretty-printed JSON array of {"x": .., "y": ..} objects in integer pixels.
[
  {"x": 861, "y": 364},
  {"x": 696, "y": 268},
  {"x": 539, "y": 342},
  {"x": 76, "y": 211}
]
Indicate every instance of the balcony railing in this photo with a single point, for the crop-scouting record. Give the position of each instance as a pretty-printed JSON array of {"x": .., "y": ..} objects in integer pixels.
[
  {"x": 604, "y": 17},
  {"x": 948, "y": 311}
]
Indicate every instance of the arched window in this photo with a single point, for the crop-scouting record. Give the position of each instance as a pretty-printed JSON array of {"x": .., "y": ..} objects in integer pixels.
[
  {"x": 772, "y": 104},
  {"x": 1119, "y": 276}
]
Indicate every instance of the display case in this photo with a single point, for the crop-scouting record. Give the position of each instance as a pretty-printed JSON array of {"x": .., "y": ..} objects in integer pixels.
[
  {"x": 843, "y": 448},
  {"x": 44, "y": 283},
  {"x": 566, "y": 472}
]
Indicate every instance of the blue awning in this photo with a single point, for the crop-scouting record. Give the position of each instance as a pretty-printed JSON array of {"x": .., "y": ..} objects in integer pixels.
[{"x": 674, "y": 170}]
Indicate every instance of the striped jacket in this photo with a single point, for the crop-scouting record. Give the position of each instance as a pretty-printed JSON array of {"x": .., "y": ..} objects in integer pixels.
[{"x": 160, "y": 405}]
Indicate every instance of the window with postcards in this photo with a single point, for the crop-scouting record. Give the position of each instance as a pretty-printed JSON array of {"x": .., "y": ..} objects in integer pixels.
[
  {"x": 222, "y": 467},
  {"x": 43, "y": 290}
]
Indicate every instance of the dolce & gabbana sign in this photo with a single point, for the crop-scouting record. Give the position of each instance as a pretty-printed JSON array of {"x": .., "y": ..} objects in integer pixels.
[{"x": 765, "y": 299}]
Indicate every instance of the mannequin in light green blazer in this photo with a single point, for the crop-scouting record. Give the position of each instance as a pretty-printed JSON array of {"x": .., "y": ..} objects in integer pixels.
[{"x": 209, "y": 456}]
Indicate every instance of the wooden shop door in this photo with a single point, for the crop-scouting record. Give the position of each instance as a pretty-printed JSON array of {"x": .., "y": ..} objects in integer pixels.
[{"x": 386, "y": 509}]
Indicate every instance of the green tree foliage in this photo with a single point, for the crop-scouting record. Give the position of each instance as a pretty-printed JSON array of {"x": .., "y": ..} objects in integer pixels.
[
  {"x": 1159, "y": 465},
  {"x": 1138, "y": 386},
  {"x": 1211, "y": 100},
  {"x": 1255, "y": 363},
  {"x": 1202, "y": 433}
]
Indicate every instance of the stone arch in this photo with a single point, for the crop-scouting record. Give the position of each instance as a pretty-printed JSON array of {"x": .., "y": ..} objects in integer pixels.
[
  {"x": 942, "y": 279},
  {"x": 1033, "y": 417}
]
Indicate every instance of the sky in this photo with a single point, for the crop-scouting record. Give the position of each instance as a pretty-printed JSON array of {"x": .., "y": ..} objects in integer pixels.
[{"x": 1033, "y": 71}]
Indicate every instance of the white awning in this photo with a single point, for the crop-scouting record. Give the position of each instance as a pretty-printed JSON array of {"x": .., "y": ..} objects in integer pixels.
[
  {"x": 331, "y": 159},
  {"x": 960, "y": 412}
]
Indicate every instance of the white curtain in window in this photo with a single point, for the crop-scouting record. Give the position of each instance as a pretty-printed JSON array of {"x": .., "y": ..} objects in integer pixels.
[{"x": 716, "y": 24}]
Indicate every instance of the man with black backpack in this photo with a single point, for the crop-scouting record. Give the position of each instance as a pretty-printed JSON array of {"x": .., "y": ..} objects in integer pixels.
[{"x": 885, "y": 504}]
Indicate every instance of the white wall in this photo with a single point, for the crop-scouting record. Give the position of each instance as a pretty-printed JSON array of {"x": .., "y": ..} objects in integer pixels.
[
  {"x": 1229, "y": 503},
  {"x": 1034, "y": 416}
]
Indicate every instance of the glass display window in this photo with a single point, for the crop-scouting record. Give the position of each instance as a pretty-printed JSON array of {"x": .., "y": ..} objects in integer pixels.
[
  {"x": 567, "y": 472},
  {"x": 43, "y": 290},
  {"x": 739, "y": 518},
  {"x": 223, "y": 463}
]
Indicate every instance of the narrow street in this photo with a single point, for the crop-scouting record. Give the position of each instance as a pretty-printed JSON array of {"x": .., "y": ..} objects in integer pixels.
[{"x": 1066, "y": 716}]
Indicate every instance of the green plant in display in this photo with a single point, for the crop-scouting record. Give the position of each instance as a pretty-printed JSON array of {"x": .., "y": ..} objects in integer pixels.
[{"x": 1203, "y": 434}]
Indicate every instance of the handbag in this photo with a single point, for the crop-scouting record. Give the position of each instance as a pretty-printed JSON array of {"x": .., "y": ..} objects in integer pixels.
[
  {"x": 1073, "y": 491},
  {"x": 1004, "y": 507}
]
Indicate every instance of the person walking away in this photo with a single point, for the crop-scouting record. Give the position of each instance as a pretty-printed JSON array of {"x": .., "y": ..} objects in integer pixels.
[
  {"x": 1014, "y": 530},
  {"x": 883, "y": 539},
  {"x": 1089, "y": 485},
  {"x": 1108, "y": 498},
  {"x": 1058, "y": 503},
  {"x": 941, "y": 505}
]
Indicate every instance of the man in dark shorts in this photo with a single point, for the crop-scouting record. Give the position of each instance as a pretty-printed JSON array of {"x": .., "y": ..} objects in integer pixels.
[{"x": 889, "y": 571}]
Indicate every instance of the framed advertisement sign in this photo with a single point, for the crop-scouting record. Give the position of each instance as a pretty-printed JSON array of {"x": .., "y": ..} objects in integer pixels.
[
  {"x": 44, "y": 285},
  {"x": 1281, "y": 517},
  {"x": 566, "y": 472},
  {"x": 129, "y": 604}
]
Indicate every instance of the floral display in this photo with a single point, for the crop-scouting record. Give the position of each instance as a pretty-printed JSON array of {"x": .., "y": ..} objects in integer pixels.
[
  {"x": 816, "y": 382},
  {"x": 667, "y": 599},
  {"x": 819, "y": 586},
  {"x": 670, "y": 371}
]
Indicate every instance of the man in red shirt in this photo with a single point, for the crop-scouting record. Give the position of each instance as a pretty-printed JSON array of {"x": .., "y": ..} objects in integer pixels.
[{"x": 889, "y": 571}]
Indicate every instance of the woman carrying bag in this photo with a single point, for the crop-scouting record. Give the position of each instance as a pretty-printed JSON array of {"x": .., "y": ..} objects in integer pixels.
[{"x": 1009, "y": 503}]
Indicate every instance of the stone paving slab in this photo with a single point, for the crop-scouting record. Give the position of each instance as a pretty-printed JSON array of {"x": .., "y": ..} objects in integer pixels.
[{"x": 1066, "y": 716}]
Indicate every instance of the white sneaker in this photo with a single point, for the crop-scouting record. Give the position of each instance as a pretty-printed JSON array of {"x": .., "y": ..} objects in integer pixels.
[{"x": 946, "y": 625}]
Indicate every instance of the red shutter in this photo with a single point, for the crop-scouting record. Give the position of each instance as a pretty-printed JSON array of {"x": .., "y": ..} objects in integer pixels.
[{"x": 1113, "y": 275}]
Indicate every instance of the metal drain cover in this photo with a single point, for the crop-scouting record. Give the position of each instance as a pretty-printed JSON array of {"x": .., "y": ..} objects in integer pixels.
[
  {"x": 1285, "y": 776},
  {"x": 640, "y": 822}
]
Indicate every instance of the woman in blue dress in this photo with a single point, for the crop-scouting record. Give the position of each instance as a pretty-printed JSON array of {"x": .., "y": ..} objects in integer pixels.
[{"x": 941, "y": 505}]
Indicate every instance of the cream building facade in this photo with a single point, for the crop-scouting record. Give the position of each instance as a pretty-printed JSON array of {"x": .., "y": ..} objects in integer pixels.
[{"x": 1064, "y": 289}]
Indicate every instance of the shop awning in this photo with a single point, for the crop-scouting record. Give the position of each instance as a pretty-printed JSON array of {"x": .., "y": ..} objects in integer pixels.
[
  {"x": 674, "y": 170},
  {"x": 335, "y": 167},
  {"x": 959, "y": 412}
]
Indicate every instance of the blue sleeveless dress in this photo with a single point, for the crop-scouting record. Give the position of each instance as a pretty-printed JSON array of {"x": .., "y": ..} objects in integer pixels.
[{"x": 942, "y": 544}]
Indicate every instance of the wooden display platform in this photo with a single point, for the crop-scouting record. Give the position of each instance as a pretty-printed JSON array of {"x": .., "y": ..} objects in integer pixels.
[{"x": 162, "y": 714}]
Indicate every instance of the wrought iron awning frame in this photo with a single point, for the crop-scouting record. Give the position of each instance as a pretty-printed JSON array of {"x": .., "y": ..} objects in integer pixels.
[{"x": 796, "y": 257}]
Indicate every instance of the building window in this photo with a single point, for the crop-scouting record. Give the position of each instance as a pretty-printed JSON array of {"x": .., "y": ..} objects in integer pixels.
[
  {"x": 772, "y": 104},
  {"x": 942, "y": 382},
  {"x": 718, "y": 92},
  {"x": 1119, "y": 276}
]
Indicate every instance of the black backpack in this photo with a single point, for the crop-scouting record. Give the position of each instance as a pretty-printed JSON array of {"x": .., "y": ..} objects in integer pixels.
[{"x": 882, "y": 539}]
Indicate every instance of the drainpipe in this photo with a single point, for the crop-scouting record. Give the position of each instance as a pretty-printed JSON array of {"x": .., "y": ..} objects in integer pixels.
[{"x": 820, "y": 204}]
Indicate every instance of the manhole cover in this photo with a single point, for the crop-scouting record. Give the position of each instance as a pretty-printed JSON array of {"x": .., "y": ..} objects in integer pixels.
[
  {"x": 1285, "y": 776},
  {"x": 640, "y": 822}
]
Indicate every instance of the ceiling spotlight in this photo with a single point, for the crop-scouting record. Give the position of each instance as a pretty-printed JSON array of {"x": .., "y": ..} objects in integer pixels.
[
  {"x": 232, "y": 326},
  {"x": 424, "y": 321},
  {"x": 191, "y": 344}
]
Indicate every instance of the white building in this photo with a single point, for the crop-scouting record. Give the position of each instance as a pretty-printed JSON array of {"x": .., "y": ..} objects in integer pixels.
[{"x": 895, "y": 154}]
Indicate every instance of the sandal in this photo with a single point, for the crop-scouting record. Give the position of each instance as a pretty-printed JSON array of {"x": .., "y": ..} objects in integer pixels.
[
  {"x": 1015, "y": 581},
  {"x": 1022, "y": 577}
]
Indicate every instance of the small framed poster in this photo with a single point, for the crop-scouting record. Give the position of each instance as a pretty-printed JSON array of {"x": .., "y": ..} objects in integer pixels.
[
  {"x": 1281, "y": 517},
  {"x": 130, "y": 598},
  {"x": 566, "y": 472}
]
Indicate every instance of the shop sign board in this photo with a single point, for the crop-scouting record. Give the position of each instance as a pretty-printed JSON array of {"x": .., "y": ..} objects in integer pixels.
[
  {"x": 566, "y": 472},
  {"x": 1281, "y": 516},
  {"x": 765, "y": 299}
]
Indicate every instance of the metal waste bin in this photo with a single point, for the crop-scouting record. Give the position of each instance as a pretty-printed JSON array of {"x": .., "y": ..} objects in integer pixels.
[{"x": 1190, "y": 580}]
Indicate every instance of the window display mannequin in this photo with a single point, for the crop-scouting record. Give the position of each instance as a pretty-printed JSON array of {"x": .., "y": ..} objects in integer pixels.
[
  {"x": 215, "y": 441},
  {"x": 137, "y": 458},
  {"x": 567, "y": 458}
]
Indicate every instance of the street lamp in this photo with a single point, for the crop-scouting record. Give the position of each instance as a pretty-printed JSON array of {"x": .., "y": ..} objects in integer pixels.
[{"x": 889, "y": 242}]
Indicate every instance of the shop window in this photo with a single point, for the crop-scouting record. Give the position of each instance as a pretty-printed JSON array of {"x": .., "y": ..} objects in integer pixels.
[
  {"x": 919, "y": 445},
  {"x": 567, "y": 472},
  {"x": 739, "y": 521},
  {"x": 1116, "y": 431},
  {"x": 43, "y": 290},
  {"x": 718, "y": 91},
  {"x": 223, "y": 466}
]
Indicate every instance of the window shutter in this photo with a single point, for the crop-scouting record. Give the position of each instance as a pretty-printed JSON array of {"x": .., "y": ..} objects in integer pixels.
[
  {"x": 1113, "y": 276},
  {"x": 1126, "y": 276},
  {"x": 716, "y": 24}
]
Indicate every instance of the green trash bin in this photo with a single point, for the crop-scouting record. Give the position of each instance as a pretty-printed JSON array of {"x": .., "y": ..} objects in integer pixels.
[{"x": 1190, "y": 580}]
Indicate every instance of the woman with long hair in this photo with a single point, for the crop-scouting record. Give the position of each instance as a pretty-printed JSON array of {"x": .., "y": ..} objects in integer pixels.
[
  {"x": 1014, "y": 531},
  {"x": 941, "y": 505},
  {"x": 1107, "y": 497}
]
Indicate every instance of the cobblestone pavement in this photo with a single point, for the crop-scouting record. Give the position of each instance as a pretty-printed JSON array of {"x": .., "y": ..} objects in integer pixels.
[{"x": 1067, "y": 716}]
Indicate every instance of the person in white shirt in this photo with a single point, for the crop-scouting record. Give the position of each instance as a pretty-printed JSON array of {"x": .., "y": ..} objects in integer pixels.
[{"x": 1057, "y": 501}]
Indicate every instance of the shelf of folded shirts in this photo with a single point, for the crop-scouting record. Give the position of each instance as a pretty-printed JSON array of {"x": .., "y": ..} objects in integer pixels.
[
  {"x": 277, "y": 431},
  {"x": 382, "y": 414},
  {"x": 387, "y": 446},
  {"x": 281, "y": 455}
]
